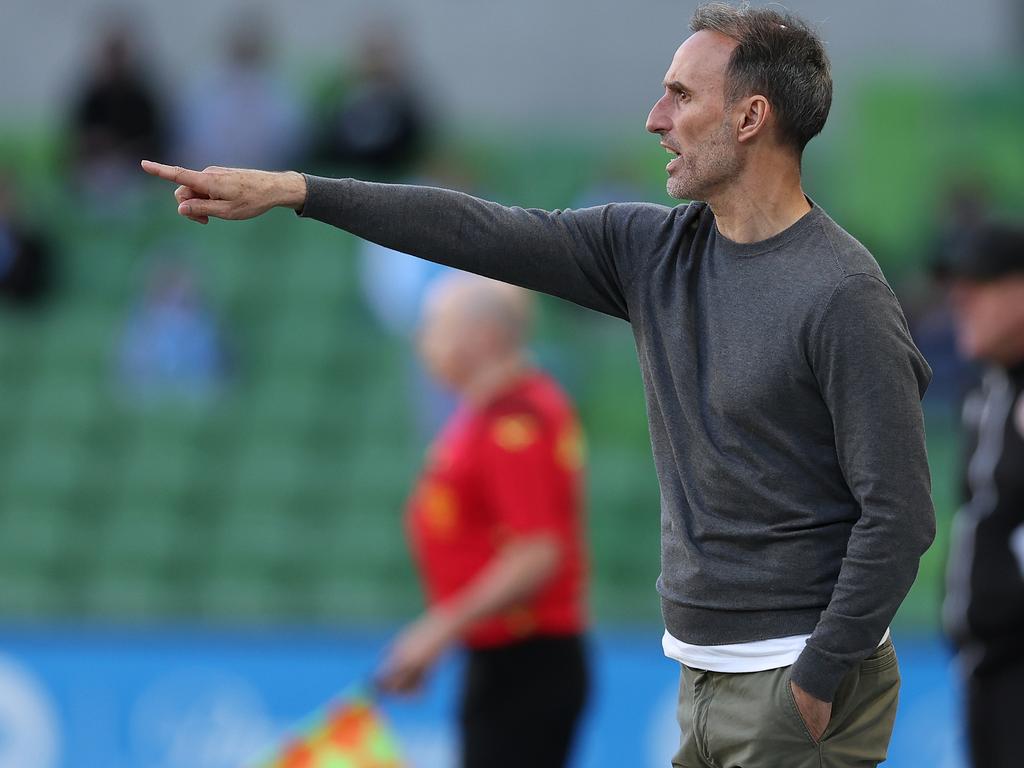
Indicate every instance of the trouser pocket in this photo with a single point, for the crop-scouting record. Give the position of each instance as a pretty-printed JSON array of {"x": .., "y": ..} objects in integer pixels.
[
  {"x": 863, "y": 712},
  {"x": 750, "y": 722},
  {"x": 794, "y": 710}
]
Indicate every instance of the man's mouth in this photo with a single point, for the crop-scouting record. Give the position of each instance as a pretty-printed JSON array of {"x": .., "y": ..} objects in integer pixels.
[{"x": 675, "y": 158}]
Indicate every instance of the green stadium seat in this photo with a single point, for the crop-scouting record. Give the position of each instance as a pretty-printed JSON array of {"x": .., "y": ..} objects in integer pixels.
[
  {"x": 33, "y": 535},
  {"x": 40, "y": 465},
  {"x": 30, "y": 594},
  {"x": 246, "y": 595},
  {"x": 141, "y": 530},
  {"x": 130, "y": 591}
]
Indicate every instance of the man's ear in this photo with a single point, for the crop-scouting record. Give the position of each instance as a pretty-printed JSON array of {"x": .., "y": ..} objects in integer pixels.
[{"x": 754, "y": 119}]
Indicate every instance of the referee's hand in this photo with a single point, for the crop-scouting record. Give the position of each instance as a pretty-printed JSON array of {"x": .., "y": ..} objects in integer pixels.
[
  {"x": 415, "y": 652},
  {"x": 230, "y": 193}
]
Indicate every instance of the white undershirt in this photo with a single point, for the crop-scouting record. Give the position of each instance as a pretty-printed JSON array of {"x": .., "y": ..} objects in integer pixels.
[{"x": 756, "y": 656}]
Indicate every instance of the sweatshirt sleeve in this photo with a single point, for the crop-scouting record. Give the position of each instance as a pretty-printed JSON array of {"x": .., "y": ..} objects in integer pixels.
[
  {"x": 584, "y": 256},
  {"x": 872, "y": 378}
]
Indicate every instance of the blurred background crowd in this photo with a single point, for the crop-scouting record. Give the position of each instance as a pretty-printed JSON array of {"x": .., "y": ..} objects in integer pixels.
[{"x": 218, "y": 427}]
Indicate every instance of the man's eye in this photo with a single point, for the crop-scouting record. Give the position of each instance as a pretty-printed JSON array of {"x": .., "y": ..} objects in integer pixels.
[{"x": 680, "y": 97}]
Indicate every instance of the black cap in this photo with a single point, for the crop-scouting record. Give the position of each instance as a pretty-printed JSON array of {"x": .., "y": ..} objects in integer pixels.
[{"x": 984, "y": 253}]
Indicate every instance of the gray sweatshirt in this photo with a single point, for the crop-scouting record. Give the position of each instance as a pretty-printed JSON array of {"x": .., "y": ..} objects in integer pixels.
[{"x": 783, "y": 398}]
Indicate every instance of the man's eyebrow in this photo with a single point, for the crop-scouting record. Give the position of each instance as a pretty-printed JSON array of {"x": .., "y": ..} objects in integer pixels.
[{"x": 675, "y": 85}]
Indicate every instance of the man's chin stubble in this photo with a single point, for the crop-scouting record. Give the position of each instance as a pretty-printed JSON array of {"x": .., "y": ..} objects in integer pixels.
[{"x": 677, "y": 191}]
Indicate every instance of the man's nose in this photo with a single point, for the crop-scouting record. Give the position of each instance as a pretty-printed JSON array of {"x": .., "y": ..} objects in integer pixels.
[{"x": 657, "y": 120}]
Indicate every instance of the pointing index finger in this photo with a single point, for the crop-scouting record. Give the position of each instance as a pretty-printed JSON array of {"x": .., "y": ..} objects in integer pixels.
[{"x": 184, "y": 176}]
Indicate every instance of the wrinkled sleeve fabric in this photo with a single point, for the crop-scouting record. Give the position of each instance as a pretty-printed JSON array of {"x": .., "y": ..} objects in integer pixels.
[
  {"x": 586, "y": 256},
  {"x": 872, "y": 379}
]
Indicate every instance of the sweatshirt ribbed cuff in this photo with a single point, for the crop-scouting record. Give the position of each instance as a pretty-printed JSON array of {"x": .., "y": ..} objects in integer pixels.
[
  {"x": 818, "y": 674},
  {"x": 314, "y": 194}
]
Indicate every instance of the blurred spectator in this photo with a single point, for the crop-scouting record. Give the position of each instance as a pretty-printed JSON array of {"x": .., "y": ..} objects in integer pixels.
[
  {"x": 984, "y": 608},
  {"x": 932, "y": 325},
  {"x": 374, "y": 124},
  {"x": 171, "y": 348},
  {"x": 962, "y": 211},
  {"x": 495, "y": 524},
  {"x": 116, "y": 119},
  {"x": 243, "y": 115},
  {"x": 394, "y": 285},
  {"x": 26, "y": 268}
]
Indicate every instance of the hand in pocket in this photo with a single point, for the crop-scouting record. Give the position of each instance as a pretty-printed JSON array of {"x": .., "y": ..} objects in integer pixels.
[{"x": 814, "y": 712}]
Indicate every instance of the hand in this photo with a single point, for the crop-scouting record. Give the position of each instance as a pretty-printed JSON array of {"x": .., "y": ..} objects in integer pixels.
[
  {"x": 815, "y": 712},
  {"x": 414, "y": 653},
  {"x": 230, "y": 193}
]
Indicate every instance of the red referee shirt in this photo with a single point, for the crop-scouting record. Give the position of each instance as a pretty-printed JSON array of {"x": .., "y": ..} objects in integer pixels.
[{"x": 511, "y": 468}]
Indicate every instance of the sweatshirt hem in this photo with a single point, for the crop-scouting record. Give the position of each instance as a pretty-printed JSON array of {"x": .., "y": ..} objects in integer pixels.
[{"x": 715, "y": 626}]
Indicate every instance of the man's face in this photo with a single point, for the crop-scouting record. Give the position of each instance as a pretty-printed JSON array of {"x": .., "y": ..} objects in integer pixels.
[
  {"x": 442, "y": 341},
  {"x": 990, "y": 319},
  {"x": 692, "y": 121}
]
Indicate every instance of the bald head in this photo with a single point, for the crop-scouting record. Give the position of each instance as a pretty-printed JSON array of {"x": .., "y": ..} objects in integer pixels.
[
  {"x": 473, "y": 301},
  {"x": 472, "y": 323}
]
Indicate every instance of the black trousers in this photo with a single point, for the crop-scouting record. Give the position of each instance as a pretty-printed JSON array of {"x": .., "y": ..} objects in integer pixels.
[
  {"x": 521, "y": 703},
  {"x": 995, "y": 724}
]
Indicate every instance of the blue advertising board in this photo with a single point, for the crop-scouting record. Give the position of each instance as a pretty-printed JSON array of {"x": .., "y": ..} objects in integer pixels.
[{"x": 73, "y": 697}]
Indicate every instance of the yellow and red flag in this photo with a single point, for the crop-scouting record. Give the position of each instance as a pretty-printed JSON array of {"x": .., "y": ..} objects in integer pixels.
[{"x": 349, "y": 734}]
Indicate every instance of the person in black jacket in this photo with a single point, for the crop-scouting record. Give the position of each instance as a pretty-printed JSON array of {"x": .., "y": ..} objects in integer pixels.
[
  {"x": 26, "y": 265},
  {"x": 984, "y": 607},
  {"x": 116, "y": 114}
]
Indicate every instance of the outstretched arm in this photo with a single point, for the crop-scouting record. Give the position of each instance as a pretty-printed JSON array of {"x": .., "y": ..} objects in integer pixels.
[{"x": 586, "y": 256}]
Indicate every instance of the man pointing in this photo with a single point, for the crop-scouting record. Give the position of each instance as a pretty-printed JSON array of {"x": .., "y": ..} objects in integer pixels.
[{"x": 783, "y": 388}]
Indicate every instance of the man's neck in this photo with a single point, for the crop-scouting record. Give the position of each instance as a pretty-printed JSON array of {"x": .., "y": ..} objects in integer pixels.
[{"x": 764, "y": 201}]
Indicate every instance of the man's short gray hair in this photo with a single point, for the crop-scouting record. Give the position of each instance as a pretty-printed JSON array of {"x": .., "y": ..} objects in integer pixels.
[{"x": 778, "y": 56}]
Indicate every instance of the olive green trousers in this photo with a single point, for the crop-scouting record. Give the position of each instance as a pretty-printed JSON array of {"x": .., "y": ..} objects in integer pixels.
[{"x": 750, "y": 720}]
